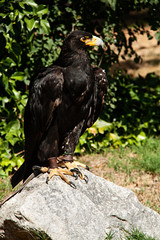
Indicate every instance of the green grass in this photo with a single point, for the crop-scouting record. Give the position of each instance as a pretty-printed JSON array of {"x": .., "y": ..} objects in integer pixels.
[
  {"x": 149, "y": 159},
  {"x": 39, "y": 235},
  {"x": 5, "y": 187},
  {"x": 134, "y": 234},
  {"x": 145, "y": 157}
]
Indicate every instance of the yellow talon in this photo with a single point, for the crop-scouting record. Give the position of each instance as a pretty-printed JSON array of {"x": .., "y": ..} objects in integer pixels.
[{"x": 69, "y": 168}]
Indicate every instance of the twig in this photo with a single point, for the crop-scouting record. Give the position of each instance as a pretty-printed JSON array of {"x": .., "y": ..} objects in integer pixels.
[{"x": 19, "y": 152}]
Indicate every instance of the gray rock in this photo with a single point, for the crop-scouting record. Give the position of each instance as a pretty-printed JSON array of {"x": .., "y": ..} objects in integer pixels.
[{"x": 63, "y": 213}]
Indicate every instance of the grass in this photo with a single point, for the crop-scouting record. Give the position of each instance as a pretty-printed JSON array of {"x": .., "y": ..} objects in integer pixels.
[
  {"x": 144, "y": 157},
  {"x": 39, "y": 235},
  {"x": 5, "y": 187},
  {"x": 135, "y": 167},
  {"x": 148, "y": 153},
  {"x": 134, "y": 234}
]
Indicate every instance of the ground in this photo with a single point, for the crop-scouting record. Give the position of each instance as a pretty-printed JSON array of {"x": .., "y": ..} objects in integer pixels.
[
  {"x": 149, "y": 51},
  {"x": 145, "y": 185}
]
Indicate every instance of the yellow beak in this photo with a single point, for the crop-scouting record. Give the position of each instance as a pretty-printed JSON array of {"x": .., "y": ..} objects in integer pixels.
[{"x": 94, "y": 41}]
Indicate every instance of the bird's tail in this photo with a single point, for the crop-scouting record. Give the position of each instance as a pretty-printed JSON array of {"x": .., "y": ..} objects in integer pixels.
[{"x": 18, "y": 176}]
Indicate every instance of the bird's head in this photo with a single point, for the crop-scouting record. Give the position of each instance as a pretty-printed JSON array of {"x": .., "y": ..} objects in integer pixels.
[{"x": 81, "y": 40}]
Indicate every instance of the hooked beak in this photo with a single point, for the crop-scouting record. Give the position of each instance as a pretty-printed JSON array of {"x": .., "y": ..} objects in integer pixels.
[{"x": 94, "y": 41}]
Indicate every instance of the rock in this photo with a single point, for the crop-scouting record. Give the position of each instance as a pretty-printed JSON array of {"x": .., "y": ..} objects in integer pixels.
[{"x": 63, "y": 213}]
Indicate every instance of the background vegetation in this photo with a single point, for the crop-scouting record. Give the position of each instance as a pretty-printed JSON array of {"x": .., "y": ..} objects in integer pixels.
[
  {"x": 31, "y": 36},
  {"x": 134, "y": 234}
]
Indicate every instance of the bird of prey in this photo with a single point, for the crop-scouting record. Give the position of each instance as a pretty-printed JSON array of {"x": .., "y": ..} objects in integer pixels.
[{"x": 64, "y": 99}]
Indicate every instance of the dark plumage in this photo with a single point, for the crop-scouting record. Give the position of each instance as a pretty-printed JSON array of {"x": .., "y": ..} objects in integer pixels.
[{"x": 64, "y": 100}]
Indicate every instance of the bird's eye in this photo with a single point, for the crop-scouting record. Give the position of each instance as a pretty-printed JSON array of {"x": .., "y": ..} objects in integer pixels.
[{"x": 83, "y": 39}]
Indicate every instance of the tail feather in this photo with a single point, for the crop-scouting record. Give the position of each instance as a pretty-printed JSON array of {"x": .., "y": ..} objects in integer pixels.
[{"x": 18, "y": 176}]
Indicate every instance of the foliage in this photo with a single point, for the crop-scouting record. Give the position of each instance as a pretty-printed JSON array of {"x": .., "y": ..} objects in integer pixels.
[
  {"x": 131, "y": 112},
  {"x": 5, "y": 188},
  {"x": 148, "y": 156},
  {"x": 143, "y": 158},
  {"x": 133, "y": 234},
  {"x": 39, "y": 235},
  {"x": 110, "y": 236},
  {"x": 136, "y": 234},
  {"x": 31, "y": 35}
]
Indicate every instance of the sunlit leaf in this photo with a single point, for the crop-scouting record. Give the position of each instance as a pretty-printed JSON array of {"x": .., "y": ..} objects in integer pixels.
[
  {"x": 30, "y": 23},
  {"x": 45, "y": 25},
  {"x": 141, "y": 136},
  {"x": 113, "y": 136},
  {"x": 18, "y": 76},
  {"x": 102, "y": 125},
  {"x": 157, "y": 36},
  {"x": 111, "y": 3},
  {"x": 30, "y": 2},
  {"x": 42, "y": 9},
  {"x": 19, "y": 161}
]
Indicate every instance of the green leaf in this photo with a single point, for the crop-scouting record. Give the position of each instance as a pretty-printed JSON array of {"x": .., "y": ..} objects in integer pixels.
[
  {"x": 18, "y": 76},
  {"x": 12, "y": 132},
  {"x": 45, "y": 25},
  {"x": 30, "y": 2},
  {"x": 16, "y": 48},
  {"x": 42, "y": 9},
  {"x": 102, "y": 125},
  {"x": 4, "y": 101},
  {"x": 83, "y": 139},
  {"x": 78, "y": 149},
  {"x": 111, "y": 3},
  {"x": 157, "y": 36},
  {"x": 16, "y": 93},
  {"x": 30, "y": 23},
  {"x": 9, "y": 62},
  {"x": 13, "y": 126},
  {"x": 19, "y": 161},
  {"x": 141, "y": 136},
  {"x": 5, "y": 81},
  {"x": 113, "y": 136}
]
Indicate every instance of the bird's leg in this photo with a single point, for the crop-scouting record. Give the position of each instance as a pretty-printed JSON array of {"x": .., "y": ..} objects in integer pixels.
[
  {"x": 68, "y": 146},
  {"x": 61, "y": 166},
  {"x": 54, "y": 169},
  {"x": 73, "y": 166}
]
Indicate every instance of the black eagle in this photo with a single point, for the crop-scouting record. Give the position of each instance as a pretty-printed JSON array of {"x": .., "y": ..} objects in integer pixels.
[{"x": 65, "y": 99}]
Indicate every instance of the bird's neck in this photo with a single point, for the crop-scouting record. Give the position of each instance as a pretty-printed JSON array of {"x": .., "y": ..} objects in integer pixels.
[{"x": 68, "y": 58}]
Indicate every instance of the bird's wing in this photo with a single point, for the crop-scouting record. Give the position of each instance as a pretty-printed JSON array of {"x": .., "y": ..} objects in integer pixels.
[
  {"x": 100, "y": 89},
  {"x": 44, "y": 97}
]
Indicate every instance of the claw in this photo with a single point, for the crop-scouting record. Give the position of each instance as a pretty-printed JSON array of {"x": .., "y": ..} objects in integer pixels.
[
  {"x": 65, "y": 167},
  {"x": 86, "y": 178},
  {"x": 76, "y": 170},
  {"x": 87, "y": 167},
  {"x": 72, "y": 185},
  {"x": 47, "y": 180},
  {"x": 75, "y": 176},
  {"x": 41, "y": 169},
  {"x": 35, "y": 167}
]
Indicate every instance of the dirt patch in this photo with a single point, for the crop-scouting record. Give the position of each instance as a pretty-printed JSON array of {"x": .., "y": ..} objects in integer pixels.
[
  {"x": 149, "y": 51},
  {"x": 145, "y": 185}
]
